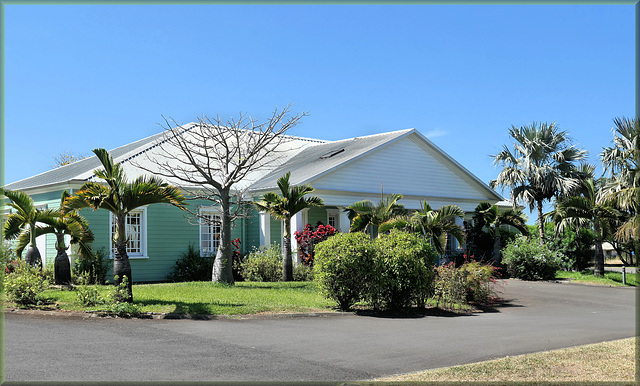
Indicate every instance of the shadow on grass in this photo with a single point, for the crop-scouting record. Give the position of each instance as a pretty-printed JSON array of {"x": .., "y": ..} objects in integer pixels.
[{"x": 186, "y": 308}]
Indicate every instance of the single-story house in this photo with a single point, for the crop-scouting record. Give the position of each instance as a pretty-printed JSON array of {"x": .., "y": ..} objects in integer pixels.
[{"x": 342, "y": 172}]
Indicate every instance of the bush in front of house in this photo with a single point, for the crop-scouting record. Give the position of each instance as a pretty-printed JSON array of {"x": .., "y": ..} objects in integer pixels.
[
  {"x": 527, "y": 259},
  {"x": 263, "y": 264},
  {"x": 471, "y": 282},
  {"x": 92, "y": 269},
  {"x": 192, "y": 266},
  {"x": 25, "y": 284},
  {"x": 404, "y": 271},
  {"x": 344, "y": 267}
]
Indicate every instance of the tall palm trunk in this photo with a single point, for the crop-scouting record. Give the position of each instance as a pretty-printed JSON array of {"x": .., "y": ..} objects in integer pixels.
[
  {"x": 598, "y": 266},
  {"x": 121, "y": 265},
  {"x": 540, "y": 222},
  {"x": 497, "y": 258},
  {"x": 62, "y": 267},
  {"x": 223, "y": 265},
  {"x": 287, "y": 261}
]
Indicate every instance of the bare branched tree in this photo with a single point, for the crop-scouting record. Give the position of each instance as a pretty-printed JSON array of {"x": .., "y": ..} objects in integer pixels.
[
  {"x": 217, "y": 160},
  {"x": 66, "y": 158}
]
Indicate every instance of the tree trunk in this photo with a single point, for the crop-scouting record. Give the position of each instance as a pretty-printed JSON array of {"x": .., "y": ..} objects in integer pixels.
[
  {"x": 32, "y": 256},
  {"x": 497, "y": 258},
  {"x": 61, "y": 265},
  {"x": 62, "y": 268},
  {"x": 598, "y": 264},
  {"x": 121, "y": 265},
  {"x": 223, "y": 264},
  {"x": 287, "y": 261},
  {"x": 540, "y": 222},
  {"x": 122, "y": 269}
]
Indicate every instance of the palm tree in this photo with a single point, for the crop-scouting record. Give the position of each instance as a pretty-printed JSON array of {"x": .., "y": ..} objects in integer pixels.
[
  {"x": 284, "y": 207},
  {"x": 584, "y": 210},
  {"x": 541, "y": 166},
  {"x": 622, "y": 162},
  {"x": 61, "y": 224},
  {"x": 120, "y": 197},
  {"x": 365, "y": 213},
  {"x": 23, "y": 222},
  {"x": 434, "y": 225},
  {"x": 489, "y": 219}
]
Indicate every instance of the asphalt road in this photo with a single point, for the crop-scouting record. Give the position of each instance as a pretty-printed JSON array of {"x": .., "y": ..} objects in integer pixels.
[{"x": 537, "y": 317}]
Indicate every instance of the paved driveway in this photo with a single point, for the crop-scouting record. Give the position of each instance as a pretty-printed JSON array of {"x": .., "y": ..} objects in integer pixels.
[{"x": 538, "y": 317}]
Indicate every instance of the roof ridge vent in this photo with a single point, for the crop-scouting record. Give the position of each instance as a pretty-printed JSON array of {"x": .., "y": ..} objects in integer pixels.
[{"x": 331, "y": 153}]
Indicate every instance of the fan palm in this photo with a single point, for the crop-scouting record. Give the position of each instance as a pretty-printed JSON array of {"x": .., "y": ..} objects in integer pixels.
[
  {"x": 489, "y": 219},
  {"x": 62, "y": 224},
  {"x": 622, "y": 162},
  {"x": 540, "y": 167},
  {"x": 23, "y": 222},
  {"x": 584, "y": 210},
  {"x": 120, "y": 196},
  {"x": 283, "y": 207},
  {"x": 434, "y": 225},
  {"x": 365, "y": 213}
]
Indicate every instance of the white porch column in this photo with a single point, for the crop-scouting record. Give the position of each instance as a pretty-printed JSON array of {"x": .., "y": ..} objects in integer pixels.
[
  {"x": 343, "y": 220},
  {"x": 460, "y": 223},
  {"x": 265, "y": 228},
  {"x": 298, "y": 221}
]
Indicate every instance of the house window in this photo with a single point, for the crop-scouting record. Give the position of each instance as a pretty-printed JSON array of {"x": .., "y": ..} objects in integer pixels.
[
  {"x": 210, "y": 229},
  {"x": 332, "y": 217},
  {"x": 135, "y": 230}
]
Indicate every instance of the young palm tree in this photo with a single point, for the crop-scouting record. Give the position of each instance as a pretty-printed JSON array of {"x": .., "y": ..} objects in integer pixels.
[
  {"x": 491, "y": 220},
  {"x": 62, "y": 224},
  {"x": 365, "y": 213},
  {"x": 23, "y": 222},
  {"x": 541, "y": 166},
  {"x": 583, "y": 210},
  {"x": 120, "y": 197},
  {"x": 284, "y": 207},
  {"x": 434, "y": 225},
  {"x": 622, "y": 162}
]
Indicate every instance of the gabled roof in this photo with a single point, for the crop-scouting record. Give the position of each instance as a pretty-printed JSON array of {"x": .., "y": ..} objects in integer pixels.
[{"x": 315, "y": 161}]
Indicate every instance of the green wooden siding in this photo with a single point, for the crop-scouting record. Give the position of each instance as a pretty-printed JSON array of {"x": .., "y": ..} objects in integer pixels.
[{"x": 316, "y": 214}]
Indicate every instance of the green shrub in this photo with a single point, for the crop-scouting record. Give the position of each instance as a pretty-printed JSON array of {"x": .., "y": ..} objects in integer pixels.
[
  {"x": 264, "y": 264},
  {"x": 25, "y": 285},
  {"x": 404, "y": 271},
  {"x": 302, "y": 272},
  {"x": 343, "y": 267},
  {"x": 192, "y": 266},
  {"x": 449, "y": 287},
  {"x": 88, "y": 295},
  {"x": 527, "y": 259},
  {"x": 92, "y": 269}
]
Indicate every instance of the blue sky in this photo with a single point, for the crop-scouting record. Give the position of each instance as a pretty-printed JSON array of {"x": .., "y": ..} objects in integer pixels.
[{"x": 79, "y": 77}]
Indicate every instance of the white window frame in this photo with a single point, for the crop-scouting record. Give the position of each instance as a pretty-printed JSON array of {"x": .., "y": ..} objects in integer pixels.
[
  {"x": 143, "y": 234},
  {"x": 210, "y": 231},
  {"x": 335, "y": 213}
]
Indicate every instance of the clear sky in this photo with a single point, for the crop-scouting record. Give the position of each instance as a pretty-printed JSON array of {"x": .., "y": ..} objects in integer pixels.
[{"x": 79, "y": 77}]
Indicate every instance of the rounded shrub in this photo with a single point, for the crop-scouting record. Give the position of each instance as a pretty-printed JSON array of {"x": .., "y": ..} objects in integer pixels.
[
  {"x": 25, "y": 284},
  {"x": 527, "y": 259},
  {"x": 343, "y": 267},
  {"x": 264, "y": 264},
  {"x": 404, "y": 264}
]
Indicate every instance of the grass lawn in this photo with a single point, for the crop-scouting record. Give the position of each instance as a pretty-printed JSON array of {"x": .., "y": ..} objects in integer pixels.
[
  {"x": 609, "y": 361},
  {"x": 610, "y": 278},
  {"x": 206, "y": 298}
]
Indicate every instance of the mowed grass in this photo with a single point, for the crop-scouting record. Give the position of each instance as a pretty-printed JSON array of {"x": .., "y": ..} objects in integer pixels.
[
  {"x": 602, "y": 362},
  {"x": 206, "y": 298},
  {"x": 610, "y": 278}
]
